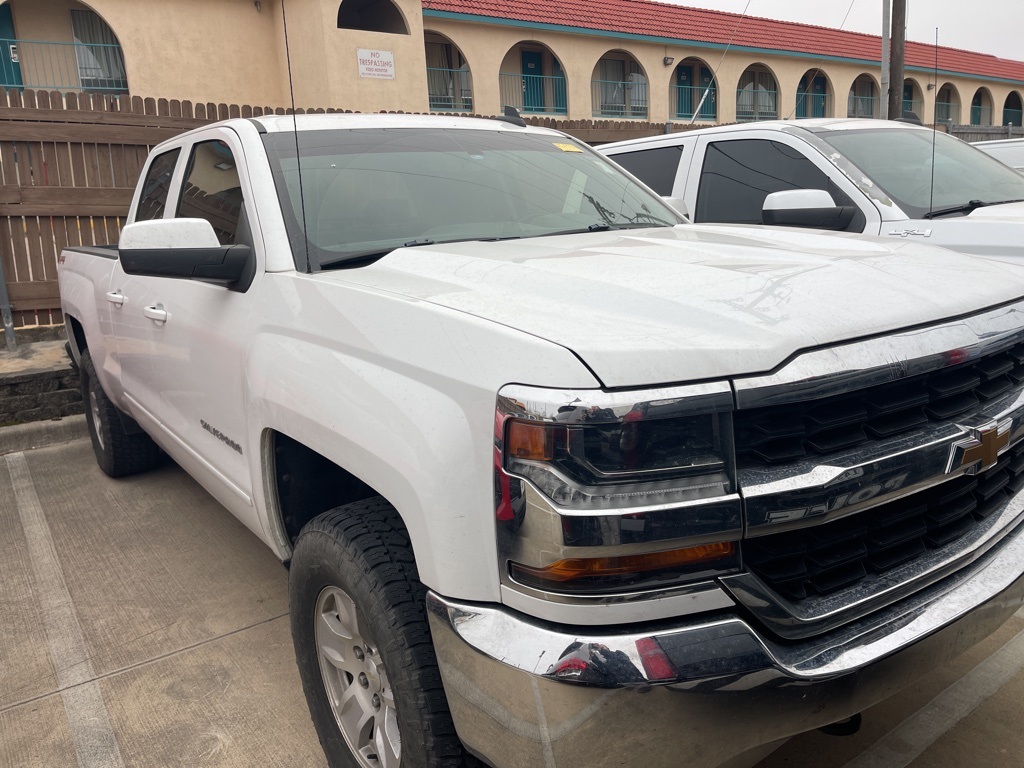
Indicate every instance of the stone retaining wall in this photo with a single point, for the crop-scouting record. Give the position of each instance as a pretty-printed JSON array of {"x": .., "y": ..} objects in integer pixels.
[{"x": 39, "y": 395}]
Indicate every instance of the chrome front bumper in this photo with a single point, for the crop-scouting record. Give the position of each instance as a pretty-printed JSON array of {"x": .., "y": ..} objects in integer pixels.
[{"x": 696, "y": 692}]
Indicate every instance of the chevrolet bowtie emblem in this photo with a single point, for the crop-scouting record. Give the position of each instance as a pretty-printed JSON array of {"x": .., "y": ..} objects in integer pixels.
[{"x": 981, "y": 450}]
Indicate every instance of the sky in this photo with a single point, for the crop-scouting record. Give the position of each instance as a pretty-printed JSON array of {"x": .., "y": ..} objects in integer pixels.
[{"x": 988, "y": 26}]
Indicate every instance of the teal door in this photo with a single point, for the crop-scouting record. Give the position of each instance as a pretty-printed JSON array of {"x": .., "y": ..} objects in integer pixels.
[
  {"x": 818, "y": 96},
  {"x": 10, "y": 66},
  {"x": 533, "y": 81},
  {"x": 684, "y": 82},
  {"x": 707, "y": 83},
  {"x": 558, "y": 81}
]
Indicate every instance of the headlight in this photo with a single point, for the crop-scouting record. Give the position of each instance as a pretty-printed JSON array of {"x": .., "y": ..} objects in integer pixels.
[
  {"x": 599, "y": 492},
  {"x": 614, "y": 451}
]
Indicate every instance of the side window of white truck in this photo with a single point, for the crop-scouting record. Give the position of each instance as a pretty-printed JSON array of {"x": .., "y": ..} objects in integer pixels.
[
  {"x": 154, "y": 189},
  {"x": 738, "y": 175},
  {"x": 655, "y": 167},
  {"x": 212, "y": 190}
]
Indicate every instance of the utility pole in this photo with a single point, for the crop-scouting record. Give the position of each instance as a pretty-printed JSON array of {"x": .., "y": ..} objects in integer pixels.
[
  {"x": 898, "y": 53},
  {"x": 885, "y": 95}
]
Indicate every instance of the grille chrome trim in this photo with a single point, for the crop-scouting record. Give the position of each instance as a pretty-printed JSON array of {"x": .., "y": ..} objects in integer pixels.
[
  {"x": 820, "y": 489},
  {"x": 795, "y": 620},
  {"x": 873, "y": 362}
]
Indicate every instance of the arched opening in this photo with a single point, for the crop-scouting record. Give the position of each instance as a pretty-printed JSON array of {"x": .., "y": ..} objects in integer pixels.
[
  {"x": 618, "y": 86},
  {"x": 863, "y": 99},
  {"x": 913, "y": 97},
  {"x": 372, "y": 16},
  {"x": 449, "y": 79},
  {"x": 757, "y": 97},
  {"x": 1013, "y": 110},
  {"x": 532, "y": 79},
  {"x": 693, "y": 93},
  {"x": 813, "y": 95},
  {"x": 947, "y": 104},
  {"x": 981, "y": 107},
  {"x": 79, "y": 52}
]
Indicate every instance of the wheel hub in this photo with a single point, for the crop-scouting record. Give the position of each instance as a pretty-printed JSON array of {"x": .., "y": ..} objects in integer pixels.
[{"x": 355, "y": 681}]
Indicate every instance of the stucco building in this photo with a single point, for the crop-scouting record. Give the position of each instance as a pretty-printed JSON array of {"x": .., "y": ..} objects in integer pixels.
[{"x": 580, "y": 59}]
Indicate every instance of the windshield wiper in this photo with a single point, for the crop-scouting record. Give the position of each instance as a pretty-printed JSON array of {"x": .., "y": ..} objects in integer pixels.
[
  {"x": 364, "y": 257},
  {"x": 967, "y": 208}
]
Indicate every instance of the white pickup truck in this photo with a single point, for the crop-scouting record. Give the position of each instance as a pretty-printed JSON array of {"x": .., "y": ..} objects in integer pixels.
[
  {"x": 561, "y": 479},
  {"x": 848, "y": 174}
]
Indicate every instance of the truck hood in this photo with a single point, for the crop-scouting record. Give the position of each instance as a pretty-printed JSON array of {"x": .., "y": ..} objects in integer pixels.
[
  {"x": 667, "y": 305},
  {"x": 996, "y": 231}
]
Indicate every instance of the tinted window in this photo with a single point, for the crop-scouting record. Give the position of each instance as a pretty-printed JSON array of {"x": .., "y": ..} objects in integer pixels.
[
  {"x": 154, "y": 189},
  {"x": 211, "y": 190},
  {"x": 654, "y": 167},
  {"x": 738, "y": 176}
]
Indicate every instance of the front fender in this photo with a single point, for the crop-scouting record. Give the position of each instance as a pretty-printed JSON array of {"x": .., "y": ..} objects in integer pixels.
[{"x": 401, "y": 394}]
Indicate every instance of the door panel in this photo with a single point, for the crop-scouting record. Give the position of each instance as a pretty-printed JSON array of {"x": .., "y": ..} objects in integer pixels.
[
  {"x": 561, "y": 97},
  {"x": 533, "y": 83},
  {"x": 684, "y": 77},
  {"x": 708, "y": 108},
  {"x": 187, "y": 372}
]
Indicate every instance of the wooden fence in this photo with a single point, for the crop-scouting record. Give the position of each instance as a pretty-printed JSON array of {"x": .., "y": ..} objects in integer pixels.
[{"x": 69, "y": 163}]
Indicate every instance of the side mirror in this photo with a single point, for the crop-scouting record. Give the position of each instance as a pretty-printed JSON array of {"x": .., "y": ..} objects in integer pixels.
[
  {"x": 678, "y": 205},
  {"x": 183, "y": 248},
  {"x": 812, "y": 208}
]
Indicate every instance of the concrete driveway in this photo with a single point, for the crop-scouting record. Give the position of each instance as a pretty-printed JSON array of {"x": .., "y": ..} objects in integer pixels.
[{"x": 142, "y": 625}]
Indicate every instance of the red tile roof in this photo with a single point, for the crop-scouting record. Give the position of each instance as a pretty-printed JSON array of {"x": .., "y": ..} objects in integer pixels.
[{"x": 645, "y": 17}]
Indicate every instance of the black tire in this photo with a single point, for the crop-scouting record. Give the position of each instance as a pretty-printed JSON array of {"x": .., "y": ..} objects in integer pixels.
[
  {"x": 363, "y": 549},
  {"x": 118, "y": 452}
]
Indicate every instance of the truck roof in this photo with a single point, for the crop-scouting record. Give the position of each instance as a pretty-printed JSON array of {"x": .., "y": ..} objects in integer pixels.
[
  {"x": 814, "y": 125},
  {"x": 352, "y": 121}
]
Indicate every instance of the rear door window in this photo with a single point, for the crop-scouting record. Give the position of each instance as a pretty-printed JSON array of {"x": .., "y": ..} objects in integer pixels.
[
  {"x": 654, "y": 167},
  {"x": 154, "y": 190}
]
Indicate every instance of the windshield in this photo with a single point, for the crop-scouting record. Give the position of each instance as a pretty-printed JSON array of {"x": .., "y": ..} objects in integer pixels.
[
  {"x": 366, "y": 192},
  {"x": 899, "y": 163}
]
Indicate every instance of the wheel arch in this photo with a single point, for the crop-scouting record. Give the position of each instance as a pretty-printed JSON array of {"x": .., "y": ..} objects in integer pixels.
[{"x": 302, "y": 483}]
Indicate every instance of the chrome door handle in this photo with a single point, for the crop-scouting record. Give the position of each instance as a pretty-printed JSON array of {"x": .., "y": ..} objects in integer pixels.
[
  {"x": 115, "y": 297},
  {"x": 156, "y": 312}
]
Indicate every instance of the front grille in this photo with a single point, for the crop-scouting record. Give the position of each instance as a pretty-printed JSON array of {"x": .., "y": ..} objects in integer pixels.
[
  {"x": 834, "y": 556},
  {"x": 777, "y": 435}
]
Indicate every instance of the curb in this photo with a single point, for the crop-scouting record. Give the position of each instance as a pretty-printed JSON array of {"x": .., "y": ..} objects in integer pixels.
[{"x": 36, "y": 434}]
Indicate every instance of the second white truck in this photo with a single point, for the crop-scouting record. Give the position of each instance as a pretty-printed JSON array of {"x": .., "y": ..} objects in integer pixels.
[
  {"x": 561, "y": 480},
  {"x": 878, "y": 177}
]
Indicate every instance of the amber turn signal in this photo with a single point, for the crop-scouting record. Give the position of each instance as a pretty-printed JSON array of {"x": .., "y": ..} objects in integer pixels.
[
  {"x": 530, "y": 441},
  {"x": 575, "y": 568}
]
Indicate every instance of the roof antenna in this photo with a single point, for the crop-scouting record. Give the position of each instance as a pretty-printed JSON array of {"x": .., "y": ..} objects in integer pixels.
[
  {"x": 817, "y": 69},
  {"x": 714, "y": 73},
  {"x": 935, "y": 127},
  {"x": 295, "y": 131}
]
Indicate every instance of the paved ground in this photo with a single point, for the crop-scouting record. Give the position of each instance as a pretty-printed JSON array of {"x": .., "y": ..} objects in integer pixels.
[{"x": 141, "y": 625}]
